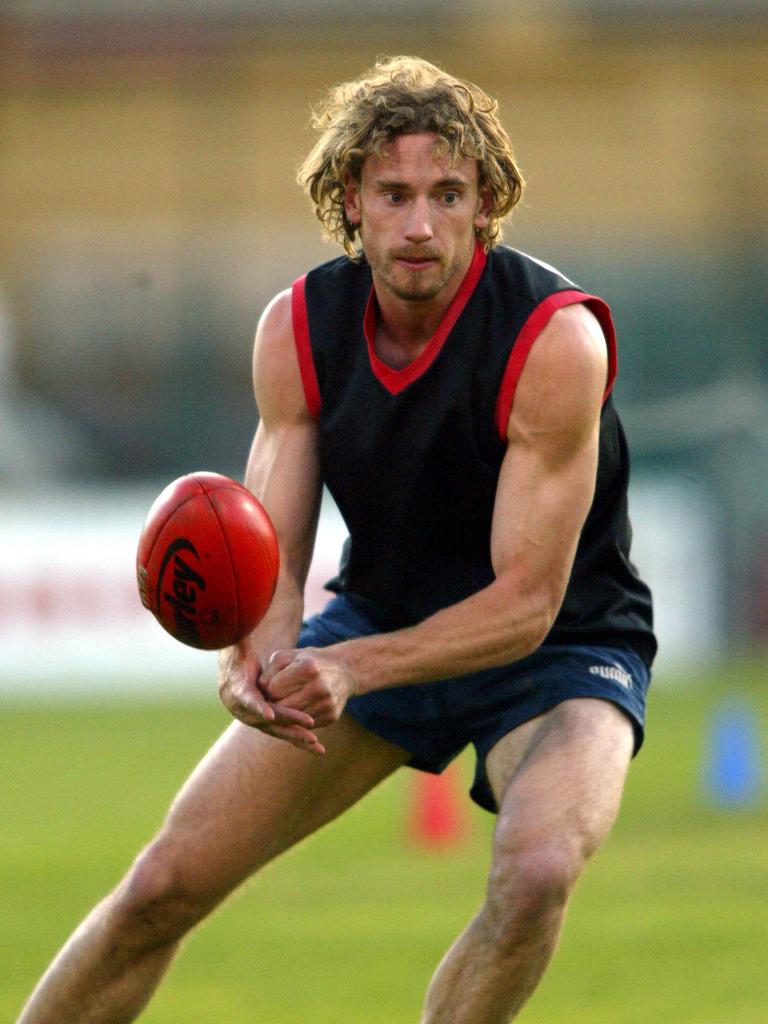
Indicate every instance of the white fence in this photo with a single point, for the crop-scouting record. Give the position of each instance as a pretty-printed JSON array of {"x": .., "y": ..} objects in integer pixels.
[
  {"x": 70, "y": 615},
  {"x": 71, "y": 620}
]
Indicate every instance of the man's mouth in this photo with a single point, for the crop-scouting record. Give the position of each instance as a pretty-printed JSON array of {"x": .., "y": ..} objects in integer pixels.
[{"x": 413, "y": 262}]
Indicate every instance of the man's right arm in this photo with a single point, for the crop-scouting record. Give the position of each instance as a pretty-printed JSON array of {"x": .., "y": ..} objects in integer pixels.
[{"x": 283, "y": 472}]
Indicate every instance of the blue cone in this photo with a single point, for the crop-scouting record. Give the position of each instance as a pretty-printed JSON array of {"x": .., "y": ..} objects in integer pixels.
[{"x": 734, "y": 769}]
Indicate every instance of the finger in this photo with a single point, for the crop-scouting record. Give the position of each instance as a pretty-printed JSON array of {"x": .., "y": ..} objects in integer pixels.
[
  {"x": 248, "y": 716},
  {"x": 246, "y": 703},
  {"x": 306, "y": 702},
  {"x": 254, "y": 701},
  {"x": 295, "y": 732},
  {"x": 296, "y": 701},
  {"x": 302, "y": 739},
  {"x": 322, "y": 711},
  {"x": 293, "y": 677},
  {"x": 287, "y": 715},
  {"x": 326, "y": 716},
  {"x": 278, "y": 660},
  {"x": 290, "y": 715}
]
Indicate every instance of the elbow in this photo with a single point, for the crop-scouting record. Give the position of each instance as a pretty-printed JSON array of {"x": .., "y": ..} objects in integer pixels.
[
  {"x": 534, "y": 631},
  {"x": 531, "y": 615}
]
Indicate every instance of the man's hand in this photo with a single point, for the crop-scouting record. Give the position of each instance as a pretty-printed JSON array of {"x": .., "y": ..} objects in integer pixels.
[
  {"x": 310, "y": 680},
  {"x": 243, "y": 694}
]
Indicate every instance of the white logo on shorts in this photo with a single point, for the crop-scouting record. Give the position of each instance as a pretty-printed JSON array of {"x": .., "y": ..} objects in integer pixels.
[{"x": 618, "y": 675}]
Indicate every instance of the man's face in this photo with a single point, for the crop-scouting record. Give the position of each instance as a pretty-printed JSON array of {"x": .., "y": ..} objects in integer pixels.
[{"x": 417, "y": 214}]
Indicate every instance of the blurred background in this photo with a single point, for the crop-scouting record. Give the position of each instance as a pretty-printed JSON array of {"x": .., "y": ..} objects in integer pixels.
[{"x": 148, "y": 211}]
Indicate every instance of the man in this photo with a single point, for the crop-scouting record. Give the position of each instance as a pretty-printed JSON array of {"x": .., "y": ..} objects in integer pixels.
[{"x": 455, "y": 397}]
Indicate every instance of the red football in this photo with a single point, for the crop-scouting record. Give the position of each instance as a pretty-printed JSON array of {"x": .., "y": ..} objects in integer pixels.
[{"x": 207, "y": 561}]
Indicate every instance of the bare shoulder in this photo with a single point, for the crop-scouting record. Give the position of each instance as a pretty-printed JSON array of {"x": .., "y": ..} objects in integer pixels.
[
  {"x": 563, "y": 381},
  {"x": 276, "y": 375}
]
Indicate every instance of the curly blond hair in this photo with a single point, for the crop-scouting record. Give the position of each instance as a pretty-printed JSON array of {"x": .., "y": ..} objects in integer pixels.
[{"x": 406, "y": 95}]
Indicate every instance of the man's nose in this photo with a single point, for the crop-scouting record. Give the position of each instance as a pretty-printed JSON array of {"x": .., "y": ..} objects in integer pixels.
[{"x": 418, "y": 227}]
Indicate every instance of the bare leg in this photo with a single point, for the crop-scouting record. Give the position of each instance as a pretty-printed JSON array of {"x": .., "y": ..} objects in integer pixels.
[
  {"x": 250, "y": 799},
  {"x": 558, "y": 781}
]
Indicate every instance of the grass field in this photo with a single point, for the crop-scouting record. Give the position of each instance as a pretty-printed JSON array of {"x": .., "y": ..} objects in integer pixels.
[{"x": 668, "y": 926}]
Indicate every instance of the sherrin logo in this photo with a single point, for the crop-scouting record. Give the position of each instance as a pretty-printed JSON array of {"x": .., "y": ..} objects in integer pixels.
[
  {"x": 181, "y": 589},
  {"x": 613, "y": 672}
]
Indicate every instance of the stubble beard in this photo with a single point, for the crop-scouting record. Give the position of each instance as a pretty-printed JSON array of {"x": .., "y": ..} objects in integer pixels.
[
  {"x": 418, "y": 285},
  {"x": 410, "y": 286}
]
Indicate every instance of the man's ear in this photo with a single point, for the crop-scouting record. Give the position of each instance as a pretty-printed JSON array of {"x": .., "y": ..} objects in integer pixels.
[
  {"x": 352, "y": 208},
  {"x": 484, "y": 208}
]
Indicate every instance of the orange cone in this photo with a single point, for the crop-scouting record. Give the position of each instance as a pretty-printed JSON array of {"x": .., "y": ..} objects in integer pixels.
[{"x": 437, "y": 813}]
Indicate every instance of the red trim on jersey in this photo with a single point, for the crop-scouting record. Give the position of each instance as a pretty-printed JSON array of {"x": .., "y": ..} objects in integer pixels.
[
  {"x": 530, "y": 331},
  {"x": 396, "y": 380},
  {"x": 304, "y": 347}
]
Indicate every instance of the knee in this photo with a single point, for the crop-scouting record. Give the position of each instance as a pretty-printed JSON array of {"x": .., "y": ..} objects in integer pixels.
[
  {"x": 530, "y": 883},
  {"x": 155, "y": 903}
]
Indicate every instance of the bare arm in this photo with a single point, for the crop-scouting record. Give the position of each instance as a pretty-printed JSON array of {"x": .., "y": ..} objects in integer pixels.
[
  {"x": 544, "y": 493},
  {"x": 283, "y": 469},
  {"x": 283, "y": 472}
]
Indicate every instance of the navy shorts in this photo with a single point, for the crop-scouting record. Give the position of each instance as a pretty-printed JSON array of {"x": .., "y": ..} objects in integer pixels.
[{"x": 435, "y": 721}]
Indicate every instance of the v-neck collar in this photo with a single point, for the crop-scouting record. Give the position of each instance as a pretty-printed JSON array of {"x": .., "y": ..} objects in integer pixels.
[{"x": 396, "y": 380}]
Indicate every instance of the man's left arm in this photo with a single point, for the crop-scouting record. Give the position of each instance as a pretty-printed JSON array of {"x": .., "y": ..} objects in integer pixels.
[{"x": 545, "y": 490}]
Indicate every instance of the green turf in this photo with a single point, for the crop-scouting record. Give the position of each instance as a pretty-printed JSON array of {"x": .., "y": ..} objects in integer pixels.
[{"x": 668, "y": 926}]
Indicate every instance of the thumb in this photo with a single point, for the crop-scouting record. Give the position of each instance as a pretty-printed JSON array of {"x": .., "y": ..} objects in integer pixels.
[{"x": 278, "y": 660}]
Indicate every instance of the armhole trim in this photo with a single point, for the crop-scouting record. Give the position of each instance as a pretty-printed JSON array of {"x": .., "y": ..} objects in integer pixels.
[
  {"x": 528, "y": 334},
  {"x": 304, "y": 347}
]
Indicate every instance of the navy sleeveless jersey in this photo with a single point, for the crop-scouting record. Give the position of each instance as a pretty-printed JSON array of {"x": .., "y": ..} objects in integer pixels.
[{"x": 412, "y": 456}]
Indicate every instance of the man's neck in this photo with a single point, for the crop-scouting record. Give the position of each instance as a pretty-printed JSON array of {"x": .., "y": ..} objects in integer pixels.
[
  {"x": 407, "y": 326},
  {"x": 404, "y": 327}
]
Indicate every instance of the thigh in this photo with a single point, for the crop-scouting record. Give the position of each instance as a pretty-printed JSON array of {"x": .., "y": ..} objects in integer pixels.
[
  {"x": 563, "y": 773},
  {"x": 254, "y": 796},
  {"x": 528, "y": 690}
]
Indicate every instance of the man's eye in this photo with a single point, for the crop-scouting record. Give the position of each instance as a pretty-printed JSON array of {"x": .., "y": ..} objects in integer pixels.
[
  {"x": 451, "y": 198},
  {"x": 395, "y": 197}
]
